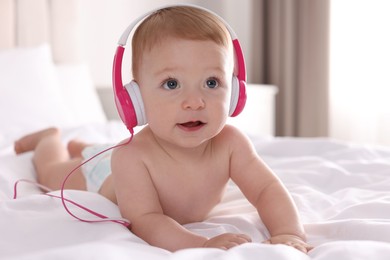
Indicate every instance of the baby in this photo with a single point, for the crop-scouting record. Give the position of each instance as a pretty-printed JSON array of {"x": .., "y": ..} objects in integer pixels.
[{"x": 176, "y": 169}]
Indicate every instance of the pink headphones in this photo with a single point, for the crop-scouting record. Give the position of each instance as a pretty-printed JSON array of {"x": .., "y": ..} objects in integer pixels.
[{"x": 128, "y": 98}]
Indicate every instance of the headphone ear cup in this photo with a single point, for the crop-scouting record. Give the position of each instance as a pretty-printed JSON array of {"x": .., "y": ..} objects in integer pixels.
[
  {"x": 234, "y": 95},
  {"x": 138, "y": 110},
  {"x": 125, "y": 107},
  {"x": 238, "y": 97}
]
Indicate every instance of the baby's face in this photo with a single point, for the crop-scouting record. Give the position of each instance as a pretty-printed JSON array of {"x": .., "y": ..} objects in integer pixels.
[{"x": 186, "y": 87}]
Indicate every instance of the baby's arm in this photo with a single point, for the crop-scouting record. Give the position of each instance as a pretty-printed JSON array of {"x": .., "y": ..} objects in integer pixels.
[
  {"x": 265, "y": 191},
  {"x": 139, "y": 202}
]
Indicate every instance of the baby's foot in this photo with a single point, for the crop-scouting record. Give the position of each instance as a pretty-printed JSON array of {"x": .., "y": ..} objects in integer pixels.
[
  {"x": 75, "y": 147},
  {"x": 29, "y": 142}
]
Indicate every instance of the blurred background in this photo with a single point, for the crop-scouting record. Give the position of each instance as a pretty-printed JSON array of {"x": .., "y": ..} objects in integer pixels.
[
  {"x": 285, "y": 44},
  {"x": 328, "y": 58}
]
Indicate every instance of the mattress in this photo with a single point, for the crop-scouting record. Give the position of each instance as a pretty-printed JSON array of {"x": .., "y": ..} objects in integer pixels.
[{"x": 341, "y": 190}]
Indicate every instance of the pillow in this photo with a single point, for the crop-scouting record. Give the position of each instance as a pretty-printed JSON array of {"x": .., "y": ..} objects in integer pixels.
[
  {"x": 30, "y": 95},
  {"x": 80, "y": 94}
]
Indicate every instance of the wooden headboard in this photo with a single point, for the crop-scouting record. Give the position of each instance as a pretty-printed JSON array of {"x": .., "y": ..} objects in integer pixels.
[{"x": 25, "y": 23}]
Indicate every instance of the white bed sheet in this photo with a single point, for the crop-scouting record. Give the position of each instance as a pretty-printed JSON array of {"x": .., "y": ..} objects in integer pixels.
[{"x": 341, "y": 190}]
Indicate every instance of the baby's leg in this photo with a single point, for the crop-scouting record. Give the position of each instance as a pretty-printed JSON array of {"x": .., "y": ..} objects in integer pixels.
[
  {"x": 75, "y": 147},
  {"x": 29, "y": 142},
  {"x": 51, "y": 159}
]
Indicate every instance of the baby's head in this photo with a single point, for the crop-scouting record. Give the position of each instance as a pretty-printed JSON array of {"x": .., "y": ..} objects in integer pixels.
[
  {"x": 182, "y": 22},
  {"x": 179, "y": 46}
]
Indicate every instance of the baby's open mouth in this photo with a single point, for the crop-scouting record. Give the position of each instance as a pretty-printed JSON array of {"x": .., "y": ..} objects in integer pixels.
[{"x": 192, "y": 124}]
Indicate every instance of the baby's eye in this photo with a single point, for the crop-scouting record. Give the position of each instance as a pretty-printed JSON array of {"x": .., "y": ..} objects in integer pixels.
[
  {"x": 212, "y": 83},
  {"x": 171, "y": 84}
]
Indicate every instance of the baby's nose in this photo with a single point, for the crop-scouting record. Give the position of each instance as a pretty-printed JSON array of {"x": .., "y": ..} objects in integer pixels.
[{"x": 193, "y": 101}]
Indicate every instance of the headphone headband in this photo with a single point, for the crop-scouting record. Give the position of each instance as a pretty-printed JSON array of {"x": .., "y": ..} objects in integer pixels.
[{"x": 125, "y": 35}]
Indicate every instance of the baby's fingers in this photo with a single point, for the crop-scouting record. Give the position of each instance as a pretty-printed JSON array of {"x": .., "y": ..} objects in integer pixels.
[
  {"x": 299, "y": 246},
  {"x": 235, "y": 240},
  {"x": 242, "y": 238},
  {"x": 227, "y": 241},
  {"x": 290, "y": 241}
]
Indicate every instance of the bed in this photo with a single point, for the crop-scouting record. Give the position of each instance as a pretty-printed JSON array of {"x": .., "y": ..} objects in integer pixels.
[{"x": 341, "y": 189}]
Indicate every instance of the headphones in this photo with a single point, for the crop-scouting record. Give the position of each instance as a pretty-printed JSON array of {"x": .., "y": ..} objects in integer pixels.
[{"x": 128, "y": 98}]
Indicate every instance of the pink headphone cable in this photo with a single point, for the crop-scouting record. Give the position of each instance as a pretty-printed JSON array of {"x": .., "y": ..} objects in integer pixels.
[{"x": 103, "y": 218}]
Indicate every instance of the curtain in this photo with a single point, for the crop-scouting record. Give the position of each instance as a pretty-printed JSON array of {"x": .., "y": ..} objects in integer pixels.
[
  {"x": 7, "y": 31},
  {"x": 295, "y": 58}
]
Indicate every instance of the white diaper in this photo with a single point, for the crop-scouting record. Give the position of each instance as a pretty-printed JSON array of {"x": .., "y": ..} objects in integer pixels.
[{"x": 98, "y": 169}]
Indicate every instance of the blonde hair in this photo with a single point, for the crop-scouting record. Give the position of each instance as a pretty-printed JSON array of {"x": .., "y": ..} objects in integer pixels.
[{"x": 182, "y": 22}]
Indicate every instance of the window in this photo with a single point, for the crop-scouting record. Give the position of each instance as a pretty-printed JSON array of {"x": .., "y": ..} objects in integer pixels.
[{"x": 360, "y": 70}]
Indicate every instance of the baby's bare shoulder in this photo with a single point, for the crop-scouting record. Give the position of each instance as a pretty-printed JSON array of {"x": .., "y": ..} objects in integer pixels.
[
  {"x": 232, "y": 136},
  {"x": 131, "y": 151}
]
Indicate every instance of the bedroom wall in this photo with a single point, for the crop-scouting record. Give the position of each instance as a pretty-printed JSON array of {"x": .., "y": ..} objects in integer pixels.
[{"x": 103, "y": 21}]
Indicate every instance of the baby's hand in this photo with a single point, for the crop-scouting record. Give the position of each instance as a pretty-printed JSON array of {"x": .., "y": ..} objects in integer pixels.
[
  {"x": 290, "y": 240},
  {"x": 227, "y": 240}
]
